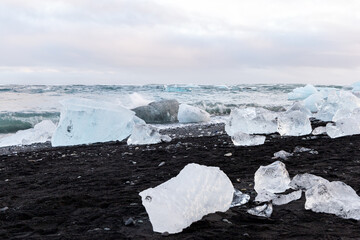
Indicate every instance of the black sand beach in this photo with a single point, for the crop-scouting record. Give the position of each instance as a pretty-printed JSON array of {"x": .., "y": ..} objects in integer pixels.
[{"x": 90, "y": 192}]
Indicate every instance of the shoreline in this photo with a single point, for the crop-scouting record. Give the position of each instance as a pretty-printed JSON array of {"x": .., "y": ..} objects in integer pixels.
[{"x": 90, "y": 191}]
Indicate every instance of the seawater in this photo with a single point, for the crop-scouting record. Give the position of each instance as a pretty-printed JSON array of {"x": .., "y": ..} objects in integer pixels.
[{"x": 23, "y": 106}]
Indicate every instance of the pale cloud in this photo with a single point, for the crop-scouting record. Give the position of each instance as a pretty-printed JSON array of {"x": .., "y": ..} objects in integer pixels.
[{"x": 198, "y": 41}]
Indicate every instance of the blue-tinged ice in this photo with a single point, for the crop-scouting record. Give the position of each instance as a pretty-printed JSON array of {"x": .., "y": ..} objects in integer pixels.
[
  {"x": 314, "y": 102},
  {"x": 84, "y": 121},
  {"x": 146, "y": 134},
  {"x": 191, "y": 114},
  {"x": 41, "y": 133},
  {"x": 195, "y": 192},
  {"x": 293, "y": 123},
  {"x": 302, "y": 92}
]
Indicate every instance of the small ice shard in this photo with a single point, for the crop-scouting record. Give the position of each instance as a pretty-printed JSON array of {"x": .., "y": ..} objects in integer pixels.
[
  {"x": 319, "y": 130},
  {"x": 244, "y": 139},
  {"x": 302, "y": 92},
  {"x": 165, "y": 111},
  {"x": 273, "y": 178},
  {"x": 191, "y": 114},
  {"x": 298, "y": 149},
  {"x": 335, "y": 198},
  {"x": 84, "y": 121},
  {"x": 282, "y": 154},
  {"x": 196, "y": 191},
  {"x": 251, "y": 121},
  {"x": 239, "y": 198},
  {"x": 41, "y": 133},
  {"x": 314, "y": 102},
  {"x": 265, "y": 196},
  {"x": 286, "y": 198},
  {"x": 294, "y": 123},
  {"x": 146, "y": 134},
  {"x": 262, "y": 210},
  {"x": 306, "y": 181}
]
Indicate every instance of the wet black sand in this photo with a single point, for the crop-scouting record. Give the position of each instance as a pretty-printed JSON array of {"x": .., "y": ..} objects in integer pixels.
[{"x": 89, "y": 192}]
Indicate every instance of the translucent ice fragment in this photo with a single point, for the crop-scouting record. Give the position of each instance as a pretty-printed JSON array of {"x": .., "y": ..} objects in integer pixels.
[
  {"x": 41, "y": 133},
  {"x": 343, "y": 127},
  {"x": 282, "y": 154},
  {"x": 286, "y": 198},
  {"x": 306, "y": 181},
  {"x": 302, "y": 92},
  {"x": 298, "y": 106},
  {"x": 190, "y": 114},
  {"x": 265, "y": 196},
  {"x": 334, "y": 198},
  {"x": 273, "y": 178},
  {"x": 262, "y": 211},
  {"x": 294, "y": 123},
  {"x": 239, "y": 198},
  {"x": 299, "y": 149},
  {"x": 319, "y": 130},
  {"x": 314, "y": 102},
  {"x": 251, "y": 121},
  {"x": 196, "y": 191},
  {"x": 244, "y": 139},
  {"x": 146, "y": 134}
]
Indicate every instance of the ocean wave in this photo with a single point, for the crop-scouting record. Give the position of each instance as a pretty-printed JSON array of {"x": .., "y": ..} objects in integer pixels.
[{"x": 11, "y": 122}]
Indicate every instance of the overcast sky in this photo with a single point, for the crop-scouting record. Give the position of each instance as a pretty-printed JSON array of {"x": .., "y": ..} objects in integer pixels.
[{"x": 179, "y": 41}]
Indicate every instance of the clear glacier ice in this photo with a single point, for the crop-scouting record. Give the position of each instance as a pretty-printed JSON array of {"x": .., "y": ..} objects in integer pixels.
[
  {"x": 319, "y": 130},
  {"x": 335, "y": 198},
  {"x": 191, "y": 114},
  {"x": 40, "y": 133},
  {"x": 264, "y": 210},
  {"x": 164, "y": 111},
  {"x": 343, "y": 127},
  {"x": 306, "y": 181},
  {"x": 282, "y": 154},
  {"x": 302, "y": 92},
  {"x": 84, "y": 121},
  {"x": 244, "y": 139},
  {"x": 145, "y": 134},
  {"x": 196, "y": 191},
  {"x": 251, "y": 121},
  {"x": 239, "y": 198},
  {"x": 282, "y": 199},
  {"x": 273, "y": 178},
  {"x": 298, "y": 106},
  {"x": 293, "y": 123}
]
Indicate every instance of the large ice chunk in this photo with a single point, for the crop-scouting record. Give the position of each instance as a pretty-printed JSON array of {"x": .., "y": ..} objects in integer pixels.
[
  {"x": 41, "y": 133},
  {"x": 273, "y": 178},
  {"x": 251, "y": 121},
  {"x": 343, "y": 127},
  {"x": 294, "y": 123},
  {"x": 84, "y": 121},
  {"x": 334, "y": 198},
  {"x": 190, "y": 114},
  {"x": 298, "y": 106},
  {"x": 146, "y": 134},
  {"x": 196, "y": 191},
  {"x": 302, "y": 92},
  {"x": 244, "y": 139},
  {"x": 164, "y": 111},
  {"x": 314, "y": 102}
]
